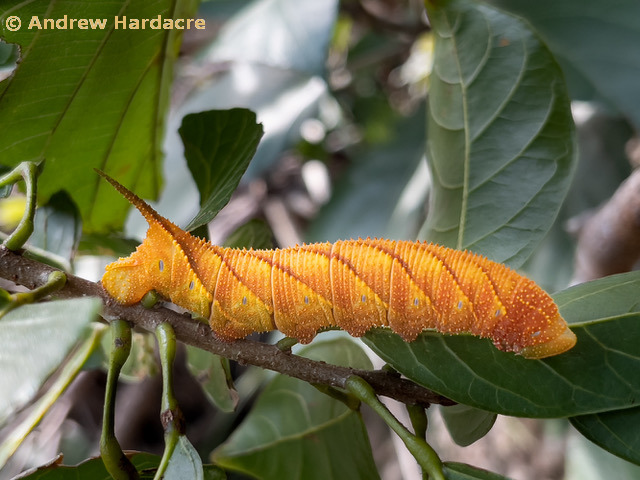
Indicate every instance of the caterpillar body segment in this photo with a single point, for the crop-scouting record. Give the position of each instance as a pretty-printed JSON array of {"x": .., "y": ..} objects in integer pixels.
[{"x": 353, "y": 284}]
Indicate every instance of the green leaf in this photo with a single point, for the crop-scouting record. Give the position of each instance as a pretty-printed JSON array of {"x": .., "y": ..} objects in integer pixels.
[
  {"x": 594, "y": 43},
  {"x": 607, "y": 297},
  {"x": 294, "y": 431},
  {"x": 107, "y": 244},
  {"x": 34, "y": 340},
  {"x": 92, "y": 468},
  {"x": 74, "y": 363},
  {"x": 617, "y": 431},
  {"x": 106, "y": 89},
  {"x": 218, "y": 145},
  {"x": 185, "y": 462},
  {"x": 467, "y": 424},
  {"x": 597, "y": 375},
  {"x": 212, "y": 372},
  {"x": 253, "y": 234},
  {"x": 501, "y": 134},
  {"x": 461, "y": 471}
]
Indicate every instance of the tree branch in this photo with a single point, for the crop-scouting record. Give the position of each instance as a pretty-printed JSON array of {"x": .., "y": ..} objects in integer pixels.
[
  {"x": 609, "y": 240},
  {"x": 30, "y": 273}
]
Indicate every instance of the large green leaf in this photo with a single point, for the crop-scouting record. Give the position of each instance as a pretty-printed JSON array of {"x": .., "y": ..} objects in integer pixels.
[
  {"x": 90, "y": 98},
  {"x": 294, "y": 431},
  {"x": 615, "y": 431},
  {"x": 500, "y": 143},
  {"x": 253, "y": 234},
  {"x": 34, "y": 340},
  {"x": 597, "y": 375},
  {"x": 596, "y": 44},
  {"x": 73, "y": 364},
  {"x": 218, "y": 145}
]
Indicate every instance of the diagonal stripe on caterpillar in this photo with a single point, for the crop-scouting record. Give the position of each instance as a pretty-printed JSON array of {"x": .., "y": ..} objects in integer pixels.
[{"x": 353, "y": 284}]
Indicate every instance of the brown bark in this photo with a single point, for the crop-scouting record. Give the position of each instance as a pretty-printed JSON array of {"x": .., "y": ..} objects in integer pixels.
[{"x": 609, "y": 241}]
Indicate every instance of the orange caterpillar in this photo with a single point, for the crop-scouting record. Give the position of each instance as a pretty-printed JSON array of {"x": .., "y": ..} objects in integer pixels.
[{"x": 355, "y": 285}]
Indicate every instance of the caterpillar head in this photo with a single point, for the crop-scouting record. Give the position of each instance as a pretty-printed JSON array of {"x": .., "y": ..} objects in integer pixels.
[
  {"x": 560, "y": 343},
  {"x": 533, "y": 326},
  {"x": 129, "y": 279},
  {"x": 159, "y": 264}
]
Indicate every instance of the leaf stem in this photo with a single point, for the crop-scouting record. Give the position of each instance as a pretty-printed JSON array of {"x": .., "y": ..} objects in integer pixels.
[
  {"x": 419, "y": 448},
  {"x": 55, "y": 281},
  {"x": 114, "y": 459},
  {"x": 285, "y": 344},
  {"x": 150, "y": 299},
  {"x": 419, "y": 420},
  {"x": 171, "y": 415},
  {"x": 27, "y": 171},
  {"x": 339, "y": 395}
]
